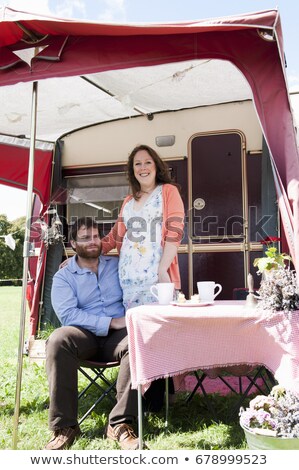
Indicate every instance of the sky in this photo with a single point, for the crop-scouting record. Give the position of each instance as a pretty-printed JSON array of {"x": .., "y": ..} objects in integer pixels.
[{"x": 12, "y": 201}]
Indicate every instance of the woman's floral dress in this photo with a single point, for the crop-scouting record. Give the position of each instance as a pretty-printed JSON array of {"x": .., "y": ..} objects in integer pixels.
[{"x": 141, "y": 250}]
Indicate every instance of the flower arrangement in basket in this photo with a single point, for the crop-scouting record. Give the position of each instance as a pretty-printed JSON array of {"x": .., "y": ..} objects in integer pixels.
[
  {"x": 279, "y": 290},
  {"x": 274, "y": 415}
]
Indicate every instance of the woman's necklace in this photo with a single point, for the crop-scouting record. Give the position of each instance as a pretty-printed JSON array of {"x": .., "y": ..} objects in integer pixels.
[
  {"x": 143, "y": 197},
  {"x": 148, "y": 192}
]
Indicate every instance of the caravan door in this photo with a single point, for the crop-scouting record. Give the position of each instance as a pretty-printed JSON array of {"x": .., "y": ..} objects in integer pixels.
[{"x": 224, "y": 193}]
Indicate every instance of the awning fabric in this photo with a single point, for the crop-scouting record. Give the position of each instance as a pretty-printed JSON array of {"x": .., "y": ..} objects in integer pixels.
[
  {"x": 252, "y": 42},
  {"x": 14, "y": 159}
]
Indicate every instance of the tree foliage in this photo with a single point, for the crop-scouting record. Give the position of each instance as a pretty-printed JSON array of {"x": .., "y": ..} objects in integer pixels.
[{"x": 11, "y": 261}]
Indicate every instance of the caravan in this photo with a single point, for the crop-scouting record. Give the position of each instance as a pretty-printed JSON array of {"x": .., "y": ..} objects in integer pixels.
[{"x": 210, "y": 96}]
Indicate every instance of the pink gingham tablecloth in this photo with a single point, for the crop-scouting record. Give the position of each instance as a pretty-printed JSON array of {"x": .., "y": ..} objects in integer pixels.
[{"x": 167, "y": 341}]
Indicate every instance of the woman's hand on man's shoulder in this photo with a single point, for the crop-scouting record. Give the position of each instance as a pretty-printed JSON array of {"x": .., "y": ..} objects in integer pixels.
[{"x": 64, "y": 263}]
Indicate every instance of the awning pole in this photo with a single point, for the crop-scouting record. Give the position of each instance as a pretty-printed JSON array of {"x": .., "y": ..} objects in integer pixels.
[{"x": 26, "y": 254}]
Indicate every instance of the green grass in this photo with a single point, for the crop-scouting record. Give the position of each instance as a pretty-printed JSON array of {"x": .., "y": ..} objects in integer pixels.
[{"x": 190, "y": 424}]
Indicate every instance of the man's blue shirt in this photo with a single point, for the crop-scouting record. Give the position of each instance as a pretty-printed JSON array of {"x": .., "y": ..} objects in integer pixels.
[{"x": 81, "y": 298}]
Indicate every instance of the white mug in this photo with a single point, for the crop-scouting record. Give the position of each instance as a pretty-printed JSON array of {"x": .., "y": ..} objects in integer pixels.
[
  {"x": 206, "y": 290},
  {"x": 163, "y": 291}
]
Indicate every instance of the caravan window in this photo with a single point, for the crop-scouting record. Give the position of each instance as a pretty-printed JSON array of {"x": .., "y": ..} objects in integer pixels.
[{"x": 99, "y": 196}]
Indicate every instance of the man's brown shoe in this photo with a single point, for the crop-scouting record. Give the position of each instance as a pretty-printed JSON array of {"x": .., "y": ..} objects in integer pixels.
[
  {"x": 124, "y": 434},
  {"x": 63, "y": 438}
]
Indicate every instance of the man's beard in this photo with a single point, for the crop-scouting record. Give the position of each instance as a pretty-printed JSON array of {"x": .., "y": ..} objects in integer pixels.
[{"x": 83, "y": 252}]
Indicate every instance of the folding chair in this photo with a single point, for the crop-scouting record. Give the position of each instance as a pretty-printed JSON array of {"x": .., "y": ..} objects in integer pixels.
[
  {"x": 94, "y": 371},
  {"x": 199, "y": 384},
  {"x": 253, "y": 376},
  {"x": 260, "y": 372}
]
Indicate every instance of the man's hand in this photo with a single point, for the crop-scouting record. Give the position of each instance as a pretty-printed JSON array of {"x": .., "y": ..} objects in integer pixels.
[{"x": 118, "y": 323}]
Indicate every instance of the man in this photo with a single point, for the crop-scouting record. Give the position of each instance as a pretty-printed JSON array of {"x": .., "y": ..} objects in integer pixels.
[{"x": 87, "y": 299}]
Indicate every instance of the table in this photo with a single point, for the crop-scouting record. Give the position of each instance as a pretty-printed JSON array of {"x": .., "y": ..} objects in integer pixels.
[{"x": 168, "y": 341}]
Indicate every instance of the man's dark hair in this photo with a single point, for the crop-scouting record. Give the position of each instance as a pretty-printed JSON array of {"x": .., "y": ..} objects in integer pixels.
[{"x": 87, "y": 222}]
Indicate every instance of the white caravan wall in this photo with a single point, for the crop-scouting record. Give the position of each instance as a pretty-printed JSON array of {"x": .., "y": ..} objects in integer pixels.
[{"x": 111, "y": 142}]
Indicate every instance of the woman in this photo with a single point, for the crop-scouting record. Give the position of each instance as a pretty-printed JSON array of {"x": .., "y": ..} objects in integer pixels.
[
  {"x": 147, "y": 234},
  {"x": 149, "y": 228}
]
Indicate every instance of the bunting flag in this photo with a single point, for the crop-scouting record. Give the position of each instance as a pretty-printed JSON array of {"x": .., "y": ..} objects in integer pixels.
[{"x": 9, "y": 241}]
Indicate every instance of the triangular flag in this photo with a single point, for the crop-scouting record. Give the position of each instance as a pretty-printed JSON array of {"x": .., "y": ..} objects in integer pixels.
[{"x": 9, "y": 241}]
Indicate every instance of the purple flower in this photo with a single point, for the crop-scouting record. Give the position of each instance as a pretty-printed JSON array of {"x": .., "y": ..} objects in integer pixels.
[
  {"x": 278, "y": 412},
  {"x": 262, "y": 402},
  {"x": 257, "y": 419}
]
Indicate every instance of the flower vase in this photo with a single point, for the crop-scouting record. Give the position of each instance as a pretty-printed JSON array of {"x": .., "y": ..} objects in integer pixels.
[{"x": 266, "y": 442}]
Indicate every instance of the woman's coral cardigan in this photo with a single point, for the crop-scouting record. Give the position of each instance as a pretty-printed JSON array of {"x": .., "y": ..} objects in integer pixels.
[{"x": 172, "y": 228}]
